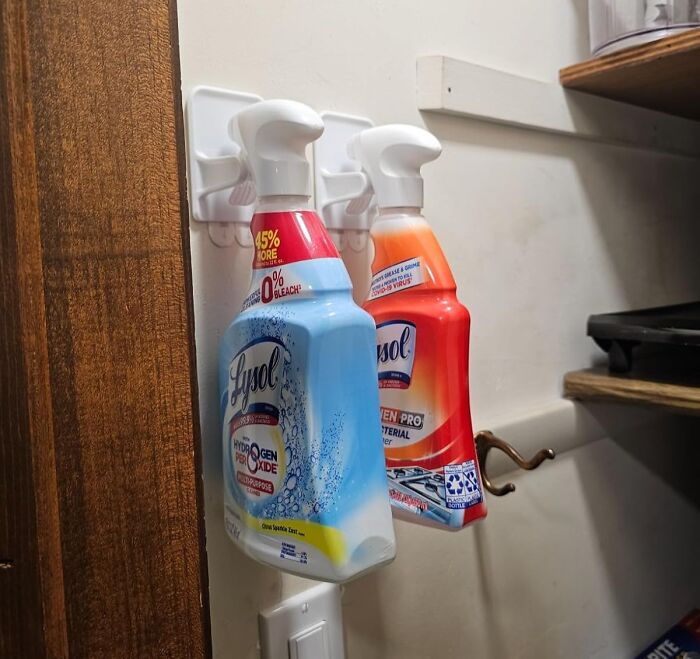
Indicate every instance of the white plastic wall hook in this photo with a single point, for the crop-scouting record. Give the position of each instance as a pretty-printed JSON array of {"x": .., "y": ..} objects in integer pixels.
[
  {"x": 220, "y": 191},
  {"x": 339, "y": 179},
  {"x": 392, "y": 156}
]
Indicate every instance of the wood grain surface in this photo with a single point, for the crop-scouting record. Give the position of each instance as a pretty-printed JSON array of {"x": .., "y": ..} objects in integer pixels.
[
  {"x": 101, "y": 523},
  {"x": 662, "y": 75},
  {"x": 681, "y": 396}
]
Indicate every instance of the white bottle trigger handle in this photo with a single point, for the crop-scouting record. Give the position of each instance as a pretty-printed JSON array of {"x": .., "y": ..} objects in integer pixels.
[
  {"x": 392, "y": 157},
  {"x": 274, "y": 135}
]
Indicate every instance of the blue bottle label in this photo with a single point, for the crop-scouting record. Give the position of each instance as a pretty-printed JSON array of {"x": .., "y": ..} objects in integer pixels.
[
  {"x": 282, "y": 482},
  {"x": 256, "y": 446},
  {"x": 304, "y": 481}
]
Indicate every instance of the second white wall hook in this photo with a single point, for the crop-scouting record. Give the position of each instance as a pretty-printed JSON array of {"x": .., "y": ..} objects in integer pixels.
[
  {"x": 220, "y": 192},
  {"x": 343, "y": 194}
]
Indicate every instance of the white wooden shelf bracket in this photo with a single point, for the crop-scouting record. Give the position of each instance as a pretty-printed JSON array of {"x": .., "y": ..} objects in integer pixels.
[{"x": 455, "y": 87}]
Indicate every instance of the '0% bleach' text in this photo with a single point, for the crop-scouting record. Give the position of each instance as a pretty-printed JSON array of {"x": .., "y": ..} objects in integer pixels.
[{"x": 274, "y": 288}]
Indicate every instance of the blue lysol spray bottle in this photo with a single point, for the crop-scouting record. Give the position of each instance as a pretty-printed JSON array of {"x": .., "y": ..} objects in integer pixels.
[{"x": 304, "y": 480}]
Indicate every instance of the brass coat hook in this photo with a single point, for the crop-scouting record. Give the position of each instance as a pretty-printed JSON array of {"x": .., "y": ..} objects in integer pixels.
[{"x": 486, "y": 440}]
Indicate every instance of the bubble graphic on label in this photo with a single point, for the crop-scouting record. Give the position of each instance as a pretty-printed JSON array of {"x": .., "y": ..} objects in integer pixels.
[{"x": 312, "y": 475}]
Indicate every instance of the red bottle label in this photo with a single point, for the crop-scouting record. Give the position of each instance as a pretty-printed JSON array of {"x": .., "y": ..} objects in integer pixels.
[
  {"x": 289, "y": 236},
  {"x": 423, "y": 364}
]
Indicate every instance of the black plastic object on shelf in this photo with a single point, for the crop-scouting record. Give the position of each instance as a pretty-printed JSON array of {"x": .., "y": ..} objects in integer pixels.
[{"x": 620, "y": 333}]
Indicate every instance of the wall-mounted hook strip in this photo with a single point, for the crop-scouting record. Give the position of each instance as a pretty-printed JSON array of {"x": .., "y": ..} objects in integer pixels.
[
  {"x": 343, "y": 194},
  {"x": 486, "y": 440},
  {"x": 219, "y": 192}
]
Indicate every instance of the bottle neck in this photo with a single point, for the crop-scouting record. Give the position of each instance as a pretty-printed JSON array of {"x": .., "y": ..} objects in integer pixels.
[
  {"x": 402, "y": 212},
  {"x": 398, "y": 218},
  {"x": 286, "y": 230},
  {"x": 401, "y": 234},
  {"x": 280, "y": 203}
]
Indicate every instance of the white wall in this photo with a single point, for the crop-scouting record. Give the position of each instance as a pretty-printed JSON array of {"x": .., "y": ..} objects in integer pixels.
[{"x": 593, "y": 555}]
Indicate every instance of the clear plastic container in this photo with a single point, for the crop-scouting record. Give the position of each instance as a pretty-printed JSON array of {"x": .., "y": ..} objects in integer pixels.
[{"x": 618, "y": 24}]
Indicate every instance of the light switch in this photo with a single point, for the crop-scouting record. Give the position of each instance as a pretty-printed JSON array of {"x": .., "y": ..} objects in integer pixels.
[
  {"x": 312, "y": 643},
  {"x": 306, "y": 626}
]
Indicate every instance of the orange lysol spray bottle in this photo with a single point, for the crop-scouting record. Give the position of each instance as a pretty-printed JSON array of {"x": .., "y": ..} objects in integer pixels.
[{"x": 422, "y": 340}]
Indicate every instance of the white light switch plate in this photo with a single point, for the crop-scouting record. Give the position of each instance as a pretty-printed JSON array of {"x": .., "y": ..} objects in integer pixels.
[{"x": 306, "y": 626}]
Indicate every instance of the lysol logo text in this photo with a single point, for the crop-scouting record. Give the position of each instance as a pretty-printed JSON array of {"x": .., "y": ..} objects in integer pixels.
[
  {"x": 254, "y": 371},
  {"x": 396, "y": 347},
  {"x": 392, "y": 350}
]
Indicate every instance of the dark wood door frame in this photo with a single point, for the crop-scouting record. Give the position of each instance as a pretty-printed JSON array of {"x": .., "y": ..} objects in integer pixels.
[{"x": 101, "y": 517}]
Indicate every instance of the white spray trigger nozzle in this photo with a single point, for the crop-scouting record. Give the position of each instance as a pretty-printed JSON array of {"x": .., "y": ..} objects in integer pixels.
[
  {"x": 392, "y": 157},
  {"x": 274, "y": 135}
]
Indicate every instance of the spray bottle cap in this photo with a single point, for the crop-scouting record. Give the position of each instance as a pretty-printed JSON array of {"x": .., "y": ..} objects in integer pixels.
[
  {"x": 392, "y": 156},
  {"x": 274, "y": 135}
]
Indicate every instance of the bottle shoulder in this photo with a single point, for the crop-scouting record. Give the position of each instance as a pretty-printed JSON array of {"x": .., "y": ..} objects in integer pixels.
[
  {"x": 413, "y": 247},
  {"x": 320, "y": 313},
  {"x": 426, "y": 303}
]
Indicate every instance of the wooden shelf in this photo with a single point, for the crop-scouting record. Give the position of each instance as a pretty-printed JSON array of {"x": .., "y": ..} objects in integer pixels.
[
  {"x": 663, "y": 75},
  {"x": 679, "y": 393}
]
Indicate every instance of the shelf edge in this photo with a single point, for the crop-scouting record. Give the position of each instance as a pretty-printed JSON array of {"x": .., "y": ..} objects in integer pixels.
[
  {"x": 581, "y": 72},
  {"x": 590, "y": 385},
  {"x": 455, "y": 87}
]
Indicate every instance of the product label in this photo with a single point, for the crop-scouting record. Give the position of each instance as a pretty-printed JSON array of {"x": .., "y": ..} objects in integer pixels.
[
  {"x": 682, "y": 641},
  {"x": 281, "y": 481},
  {"x": 411, "y": 502},
  {"x": 292, "y": 463},
  {"x": 396, "y": 354},
  {"x": 396, "y": 351},
  {"x": 401, "y": 427},
  {"x": 277, "y": 285},
  {"x": 398, "y": 277},
  {"x": 426, "y": 428},
  {"x": 438, "y": 495},
  {"x": 282, "y": 241},
  {"x": 257, "y": 450},
  {"x": 288, "y": 237},
  {"x": 462, "y": 488},
  {"x": 290, "y": 552}
]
